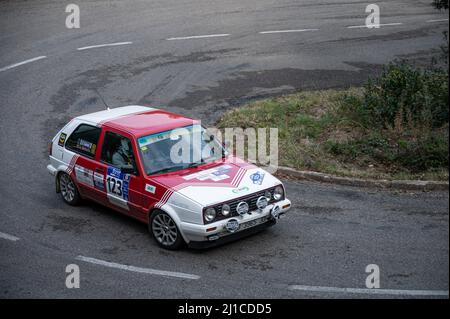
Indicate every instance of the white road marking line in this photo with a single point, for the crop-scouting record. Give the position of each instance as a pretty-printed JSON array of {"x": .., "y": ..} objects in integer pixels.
[
  {"x": 381, "y": 25},
  {"x": 370, "y": 291},
  {"x": 22, "y": 63},
  {"x": 287, "y": 31},
  {"x": 103, "y": 45},
  {"x": 437, "y": 20},
  {"x": 138, "y": 269},
  {"x": 199, "y": 37},
  {"x": 8, "y": 237}
]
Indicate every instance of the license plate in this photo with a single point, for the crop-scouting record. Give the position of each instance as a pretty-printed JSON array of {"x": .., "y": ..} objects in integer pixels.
[
  {"x": 253, "y": 223},
  {"x": 232, "y": 227}
]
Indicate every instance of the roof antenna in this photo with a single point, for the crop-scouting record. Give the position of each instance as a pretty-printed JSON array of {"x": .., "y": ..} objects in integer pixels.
[{"x": 101, "y": 98}]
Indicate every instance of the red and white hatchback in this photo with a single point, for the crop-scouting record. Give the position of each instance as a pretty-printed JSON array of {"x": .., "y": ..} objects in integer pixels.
[{"x": 131, "y": 159}]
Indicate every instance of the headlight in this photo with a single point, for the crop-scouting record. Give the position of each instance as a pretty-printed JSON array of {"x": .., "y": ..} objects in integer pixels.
[
  {"x": 210, "y": 214},
  {"x": 268, "y": 195},
  {"x": 278, "y": 192},
  {"x": 226, "y": 209}
]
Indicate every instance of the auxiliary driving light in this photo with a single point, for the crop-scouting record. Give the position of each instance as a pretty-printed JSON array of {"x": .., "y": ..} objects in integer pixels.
[
  {"x": 242, "y": 208},
  {"x": 262, "y": 203}
]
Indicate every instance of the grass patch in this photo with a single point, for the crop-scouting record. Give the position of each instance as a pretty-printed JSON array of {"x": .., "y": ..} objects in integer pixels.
[{"x": 395, "y": 127}]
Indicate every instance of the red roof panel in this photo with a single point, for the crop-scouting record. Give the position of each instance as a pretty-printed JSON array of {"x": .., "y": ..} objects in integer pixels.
[{"x": 154, "y": 121}]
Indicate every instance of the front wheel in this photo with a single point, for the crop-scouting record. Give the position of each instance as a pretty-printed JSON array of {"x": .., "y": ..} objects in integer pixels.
[
  {"x": 165, "y": 231},
  {"x": 69, "y": 191}
]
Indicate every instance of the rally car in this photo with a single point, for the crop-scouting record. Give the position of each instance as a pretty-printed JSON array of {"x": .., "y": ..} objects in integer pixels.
[{"x": 145, "y": 163}]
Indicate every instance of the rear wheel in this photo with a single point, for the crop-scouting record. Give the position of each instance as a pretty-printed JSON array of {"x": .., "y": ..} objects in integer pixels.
[
  {"x": 165, "y": 231},
  {"x": 69, "y": 191}
]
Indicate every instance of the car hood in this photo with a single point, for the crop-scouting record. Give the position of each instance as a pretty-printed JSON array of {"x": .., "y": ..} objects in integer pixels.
[{"x": 220, "y": 182}]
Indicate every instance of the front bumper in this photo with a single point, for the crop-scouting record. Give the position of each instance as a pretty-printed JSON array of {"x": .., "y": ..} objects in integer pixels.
[
  {"x": 203, "y": 236},
  {"x": 232, "y": 237},
  {"x": 52, "y": 170}
]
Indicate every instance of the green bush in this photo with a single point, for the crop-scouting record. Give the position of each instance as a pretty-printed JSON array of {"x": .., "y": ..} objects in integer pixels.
[
  {"x": 414, "y": 154},
  {"x": 420, "y": 97},
  {"x": 423, "y": 154},
  {"x": 373, "y": 146},
  {"x": 394, "y": 126},
  {"x": 405, "y": 116}
]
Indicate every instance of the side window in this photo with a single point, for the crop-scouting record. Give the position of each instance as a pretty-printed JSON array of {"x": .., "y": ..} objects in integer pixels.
[
  {"x": 117, "y": 151},
  {"x": 84, "y": 140}
]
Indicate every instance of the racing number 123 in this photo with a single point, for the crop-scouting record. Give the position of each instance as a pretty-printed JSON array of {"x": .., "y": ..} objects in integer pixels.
[{"x": 114, "y": 186}]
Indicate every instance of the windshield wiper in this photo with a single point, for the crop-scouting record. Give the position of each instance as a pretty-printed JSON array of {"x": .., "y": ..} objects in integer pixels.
[
  {"x": 195, "y": 164},
  {"x": 167, "y": 169},
  {"x": 174, "y": 168}
]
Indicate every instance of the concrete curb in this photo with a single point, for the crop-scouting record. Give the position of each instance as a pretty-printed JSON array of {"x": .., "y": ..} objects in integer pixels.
[{"x": 348, "y": 181}]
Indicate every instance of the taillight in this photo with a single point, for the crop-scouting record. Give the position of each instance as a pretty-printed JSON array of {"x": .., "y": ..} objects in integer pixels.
[{"x": 50, "y": 147}]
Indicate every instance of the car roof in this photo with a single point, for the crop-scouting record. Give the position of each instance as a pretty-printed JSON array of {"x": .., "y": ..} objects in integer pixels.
[{"x": 137, "y": 120}]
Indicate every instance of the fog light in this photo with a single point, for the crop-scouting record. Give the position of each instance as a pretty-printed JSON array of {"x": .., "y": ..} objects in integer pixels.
[
  {"x": 232, "y": 225},
  {"x": 275, "y": 212}
]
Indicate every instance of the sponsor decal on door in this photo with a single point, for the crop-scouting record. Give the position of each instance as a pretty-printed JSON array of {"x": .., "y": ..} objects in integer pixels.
[
  {"x": 150, "y": 188},
  {"x": 84, "y": 175},
  {"x": 117, "y": 187},
  {"x": 99, "y": 181}
]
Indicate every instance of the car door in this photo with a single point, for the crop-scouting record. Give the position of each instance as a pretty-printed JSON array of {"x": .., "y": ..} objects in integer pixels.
[
  {"x": 82, "y": 146},
  {"x": 122, "y": 190}
]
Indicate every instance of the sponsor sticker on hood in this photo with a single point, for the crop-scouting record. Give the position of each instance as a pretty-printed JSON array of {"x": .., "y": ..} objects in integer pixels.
[
  {"x": 215, "y": 174},
  {"x": 240, "y": 190},
  {"x": 257, "y": 177}
]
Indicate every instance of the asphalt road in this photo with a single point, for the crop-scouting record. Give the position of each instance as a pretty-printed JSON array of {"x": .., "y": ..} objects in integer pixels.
[{"x": 331, "y": 234}]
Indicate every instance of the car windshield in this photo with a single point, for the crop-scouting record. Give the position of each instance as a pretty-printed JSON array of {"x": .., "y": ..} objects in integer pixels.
[{"x": 178, "y": 148}]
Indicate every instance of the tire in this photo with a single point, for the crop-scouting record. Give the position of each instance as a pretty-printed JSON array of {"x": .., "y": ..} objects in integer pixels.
[
  {"x": 165, "y": 231},
  {"x": 68, "y": 189}
]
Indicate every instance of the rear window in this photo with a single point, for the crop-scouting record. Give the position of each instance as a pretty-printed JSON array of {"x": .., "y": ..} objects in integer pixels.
[{"x": 84, "y": 140}]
